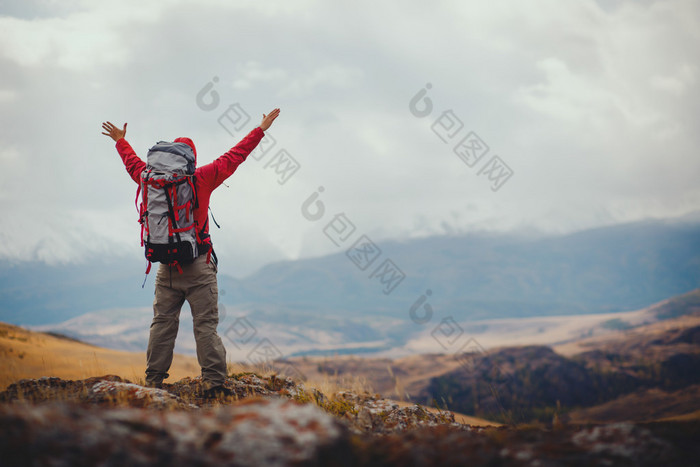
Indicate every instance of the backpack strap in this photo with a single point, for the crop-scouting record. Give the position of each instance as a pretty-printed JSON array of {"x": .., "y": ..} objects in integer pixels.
[
  {"x": 143, "y": 209},
  {"x": 212, "y": 254},
  {"x": 148, "y": 269},
  {"x": 172, "y": 224}
]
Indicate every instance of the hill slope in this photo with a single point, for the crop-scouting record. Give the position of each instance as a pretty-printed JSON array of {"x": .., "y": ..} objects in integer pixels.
[
  {"x": 28, "y": 354},
  {"x": 644, "y": 373},
  {"x": 595, "y": 379}
]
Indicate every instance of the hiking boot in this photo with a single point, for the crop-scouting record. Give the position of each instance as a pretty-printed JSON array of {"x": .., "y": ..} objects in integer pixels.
[
  {"x": 155, "y": 385},
  {"x": 218, "y": 392}
]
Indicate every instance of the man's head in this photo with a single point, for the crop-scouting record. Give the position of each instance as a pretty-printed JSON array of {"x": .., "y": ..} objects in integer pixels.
[{"x": 188, "y": 142}]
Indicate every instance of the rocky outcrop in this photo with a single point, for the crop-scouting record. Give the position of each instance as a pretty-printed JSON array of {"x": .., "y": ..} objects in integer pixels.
[
  {"x": 276, "y": 422},
  {"x": 363, "y": 413},
  {"x": 370, "y": 414},
  {"x": 135, "y": 396},
  {"x": 270, "y": 432}
]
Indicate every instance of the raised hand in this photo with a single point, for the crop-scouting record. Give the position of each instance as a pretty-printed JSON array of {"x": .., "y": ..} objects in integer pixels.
[
  {"x": 268, "y": 119},
  {"x": 113, "y": 132}
]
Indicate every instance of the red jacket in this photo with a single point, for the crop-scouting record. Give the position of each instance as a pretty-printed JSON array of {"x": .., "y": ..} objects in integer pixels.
[{"x": 208, "y": 177}]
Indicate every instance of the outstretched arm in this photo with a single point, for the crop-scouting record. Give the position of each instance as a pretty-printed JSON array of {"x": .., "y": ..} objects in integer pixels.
[
  {"x": 215, "y": 173},
  {"x": 134, "y": 165},
  {"x": 113, "y": 132}
]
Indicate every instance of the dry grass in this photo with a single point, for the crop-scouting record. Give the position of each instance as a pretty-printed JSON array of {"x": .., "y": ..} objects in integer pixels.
[
  {"x": 689, "y": 417},
  {"x": 645, "y": 405},
  {"x": 27, "y": 354},
  {"x": 459, "y": 417},
  {"x": 401, "y": 379},
  {"x": 330, "y": 385}
]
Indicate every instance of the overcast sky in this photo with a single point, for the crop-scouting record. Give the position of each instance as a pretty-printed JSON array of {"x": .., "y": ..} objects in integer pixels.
[{"x": 589, "y": 111}]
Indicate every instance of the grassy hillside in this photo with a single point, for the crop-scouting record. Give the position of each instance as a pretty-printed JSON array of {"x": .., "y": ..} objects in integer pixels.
[
  {"x": 270, "y": 420},
  {"x": 642, "y": 373},
  {"x": 27, "y": 354}
]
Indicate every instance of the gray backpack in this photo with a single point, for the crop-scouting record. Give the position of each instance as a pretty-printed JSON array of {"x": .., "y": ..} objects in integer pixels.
[{"x": 168, "y": 200}]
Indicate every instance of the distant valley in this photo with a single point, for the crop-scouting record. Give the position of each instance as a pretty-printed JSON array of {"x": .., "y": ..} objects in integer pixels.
[{"x": 642, "y": 373}]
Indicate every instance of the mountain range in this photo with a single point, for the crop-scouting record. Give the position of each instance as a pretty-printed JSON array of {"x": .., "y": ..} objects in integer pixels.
[{"x": 338, "y": 304}]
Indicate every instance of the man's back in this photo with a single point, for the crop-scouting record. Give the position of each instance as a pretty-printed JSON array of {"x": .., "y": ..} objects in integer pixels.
[{"x": 207, "y": 177}]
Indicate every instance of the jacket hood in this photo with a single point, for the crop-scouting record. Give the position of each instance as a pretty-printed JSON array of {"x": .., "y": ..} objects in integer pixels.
[{"x": 188, "y": 142}]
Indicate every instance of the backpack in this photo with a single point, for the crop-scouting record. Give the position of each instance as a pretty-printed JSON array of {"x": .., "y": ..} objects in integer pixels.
[{"x": 169, "y": 232}]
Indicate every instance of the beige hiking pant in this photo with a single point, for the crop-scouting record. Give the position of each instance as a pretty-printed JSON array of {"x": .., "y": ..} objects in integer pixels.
[{"x": 197, "y": 284}]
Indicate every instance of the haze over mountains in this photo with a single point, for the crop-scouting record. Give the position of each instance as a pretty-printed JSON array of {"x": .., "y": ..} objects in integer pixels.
[{"x": 331, "y": 304}]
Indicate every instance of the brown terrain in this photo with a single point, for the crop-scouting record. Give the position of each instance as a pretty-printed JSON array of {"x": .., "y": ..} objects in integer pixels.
[
  {"x": 31, "y": 355},
  {"x": 631, "y": 397},
  {"x": 401, "y": 379},
  {"x": 28, "y": 354},
  {"x": 673, "y": 339}
]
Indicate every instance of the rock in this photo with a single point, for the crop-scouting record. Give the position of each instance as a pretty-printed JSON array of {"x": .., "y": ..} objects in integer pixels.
[
  {"x": 619, "y": 440},
  {"x": 181, "y": 394},
  {"x": 277, "y": 432},
  {"x": 371, "y": 414},
  {"x": 109, "y": 421},
  {"x": 135, "y": 395},
  {"x": 271, "y": 432},
  {"x": 52, "y": 389}
]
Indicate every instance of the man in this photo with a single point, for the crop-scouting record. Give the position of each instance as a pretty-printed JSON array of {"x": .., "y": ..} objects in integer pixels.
[{"x": 197, "y": 283}]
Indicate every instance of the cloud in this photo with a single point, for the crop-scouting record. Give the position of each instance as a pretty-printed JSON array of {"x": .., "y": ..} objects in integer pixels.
[
  {"x": 679, "y": 82},
  {"x": 593, "y": 107}
]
